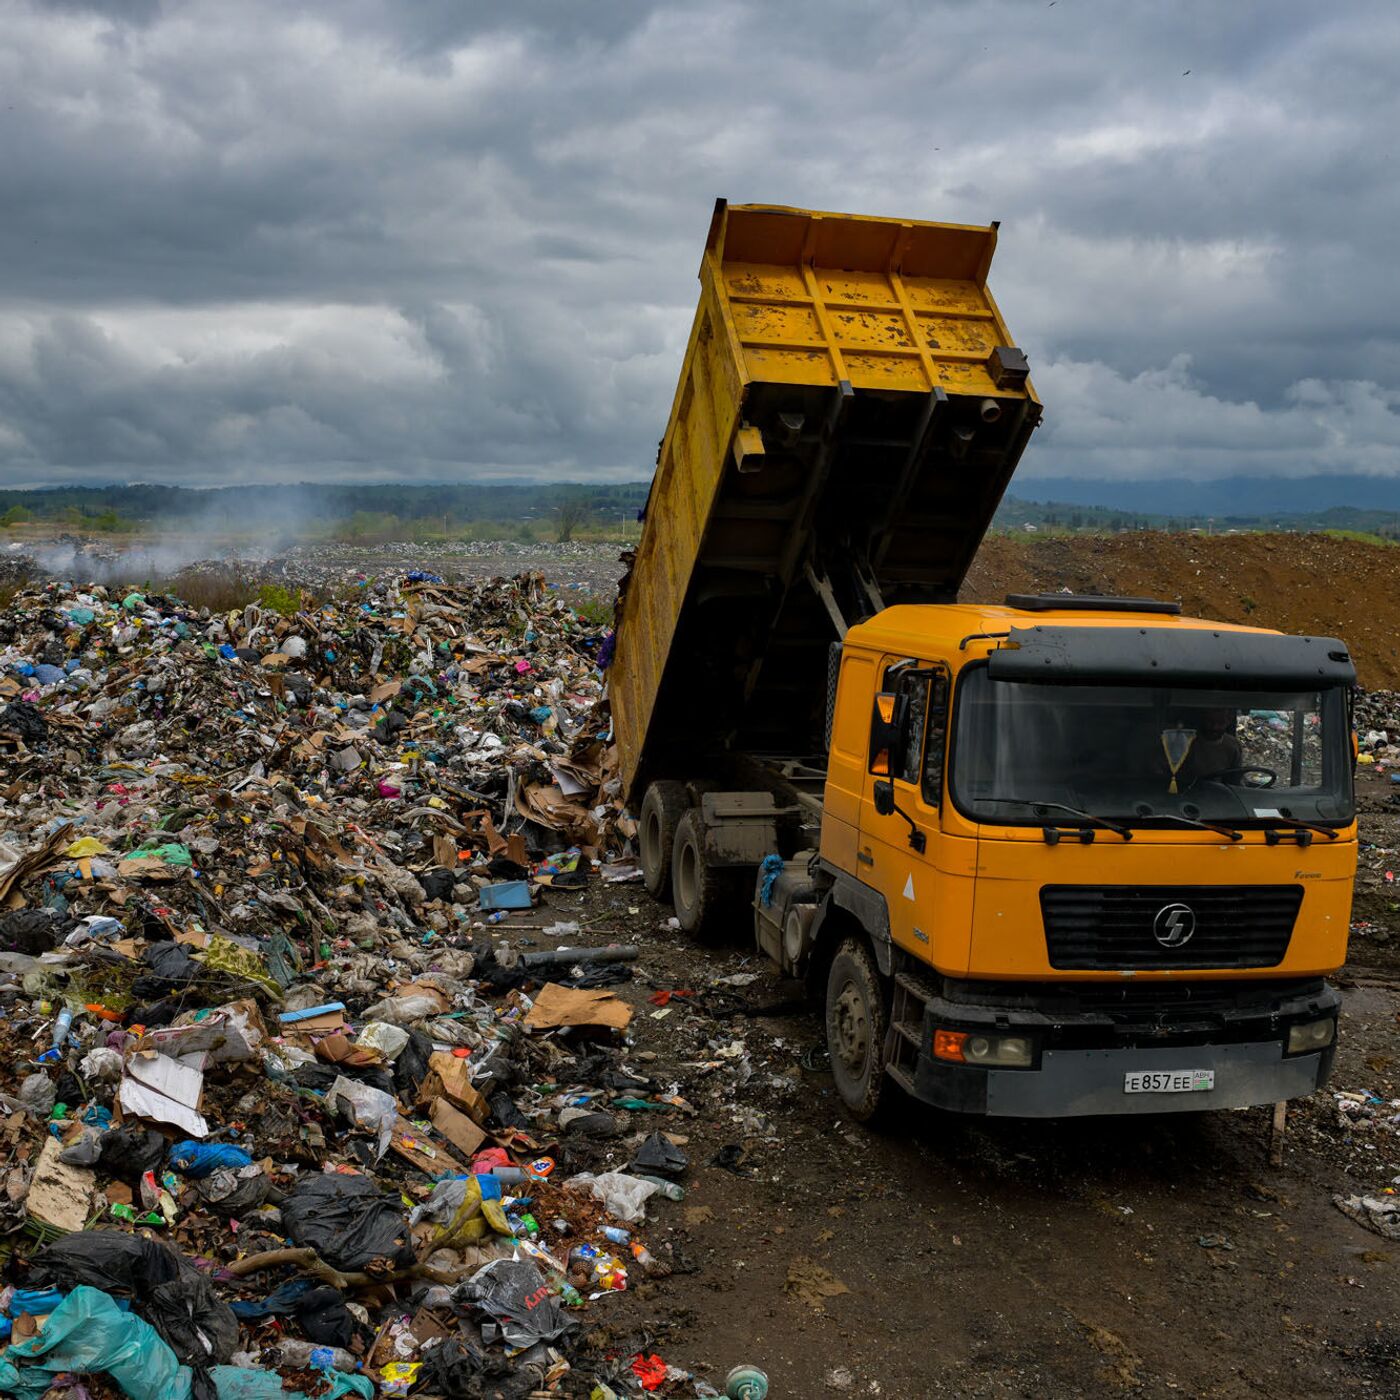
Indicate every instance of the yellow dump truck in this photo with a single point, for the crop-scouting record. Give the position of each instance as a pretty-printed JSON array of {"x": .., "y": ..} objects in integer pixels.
[{"x": 1069, "y": 855}]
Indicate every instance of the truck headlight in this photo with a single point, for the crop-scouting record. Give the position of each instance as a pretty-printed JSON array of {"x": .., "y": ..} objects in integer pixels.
[
  {"x": 1311, "y": 1035},
  {"x": 972, "y": 1048}
]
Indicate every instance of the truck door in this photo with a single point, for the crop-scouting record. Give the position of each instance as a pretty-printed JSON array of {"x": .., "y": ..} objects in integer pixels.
[{"x": 910, "y": 879}]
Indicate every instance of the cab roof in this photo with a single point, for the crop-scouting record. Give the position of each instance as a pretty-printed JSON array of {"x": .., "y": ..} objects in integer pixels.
[{"x": 913, "y": 629}]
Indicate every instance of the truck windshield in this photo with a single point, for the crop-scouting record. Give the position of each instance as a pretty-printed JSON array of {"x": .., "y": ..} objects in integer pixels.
[{"x": 1135, "y": 753}]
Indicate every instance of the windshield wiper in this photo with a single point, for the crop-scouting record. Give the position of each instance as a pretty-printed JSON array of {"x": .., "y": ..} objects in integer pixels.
[
  {"x": 1040, "y": 808},
  {"x": 1191, "y": 821},
  {"x": 1296, "y": 828}
]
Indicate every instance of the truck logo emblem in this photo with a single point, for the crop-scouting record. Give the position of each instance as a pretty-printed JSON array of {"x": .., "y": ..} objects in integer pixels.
[{"x": 1174, "y": 925}]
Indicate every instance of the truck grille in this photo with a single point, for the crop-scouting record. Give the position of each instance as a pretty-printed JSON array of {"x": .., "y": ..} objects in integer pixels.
[{"x": 1109, "y": 927}]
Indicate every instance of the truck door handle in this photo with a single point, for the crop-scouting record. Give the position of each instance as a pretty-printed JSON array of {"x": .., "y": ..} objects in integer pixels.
[{"x": 865, "y": 858}]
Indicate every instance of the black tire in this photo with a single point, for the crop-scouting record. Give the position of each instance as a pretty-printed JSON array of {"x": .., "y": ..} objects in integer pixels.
[
  {"x": 703, "y": 896},
  {"x": 662, "y": 808},
  {"x": 857, "y": 1018}
]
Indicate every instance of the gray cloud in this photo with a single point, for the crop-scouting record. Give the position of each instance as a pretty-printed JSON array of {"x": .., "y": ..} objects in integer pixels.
[{"x": 362, "y": 239}]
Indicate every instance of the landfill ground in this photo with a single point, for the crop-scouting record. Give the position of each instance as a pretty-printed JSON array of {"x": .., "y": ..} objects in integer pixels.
[{"x": 1147, "y": 1256}]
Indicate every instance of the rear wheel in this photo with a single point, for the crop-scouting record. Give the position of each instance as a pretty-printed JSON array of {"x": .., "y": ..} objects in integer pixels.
[
  {"x": 703, "y": 895},
  {"x": 662, "y": 808},
  {"x": 856, "y": 1022}
]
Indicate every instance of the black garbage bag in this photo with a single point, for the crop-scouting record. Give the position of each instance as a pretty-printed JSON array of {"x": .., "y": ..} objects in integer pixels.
[
  {"x": 392, "y": 724},
  {"x": 198, "y": 1326},
  {"x": 32, "y": 931},
  {"x": 320, "y": 1077},
  {"x": 25, "y": 719},
  {"x": 347, "y": 1222},
  {"x": 437, "y": 883},
  {"x": 411, "y": 1066},
  {"x": 325, "y": 1318},
  {"x": 504, "y": 1113},
  {"x": 659, "y": 1154},
  {"x": 460, "y": 1371},
  {"x": 127, "y": 1266},
  {"x": 170, "y": 967},
  {"x": 129, "y": 1151},
  {"x": 515, "y": 1293},
  {"x": 232, "y": 1191}
]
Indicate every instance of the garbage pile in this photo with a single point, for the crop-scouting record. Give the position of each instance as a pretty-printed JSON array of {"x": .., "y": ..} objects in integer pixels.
[{"x": 281, "y": 1112}]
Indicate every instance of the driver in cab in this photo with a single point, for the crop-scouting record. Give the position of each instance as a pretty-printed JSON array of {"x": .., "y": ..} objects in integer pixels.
[{"x": 1215, "y": 749}]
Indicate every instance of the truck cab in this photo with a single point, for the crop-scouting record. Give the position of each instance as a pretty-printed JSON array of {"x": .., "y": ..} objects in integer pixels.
[{"x": 1081, "y": 856}]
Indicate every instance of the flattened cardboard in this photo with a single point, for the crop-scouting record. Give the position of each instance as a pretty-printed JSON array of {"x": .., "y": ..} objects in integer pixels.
[
  {"x": 59, "y": 1194},
  {"x": 407, "y": 1142},
  {"x": 456, "y": 1127},
  {"x": 155, "y": 1086},
  {"x": 447, "y": 1078},
  {"x": 557, "y": 1006}
]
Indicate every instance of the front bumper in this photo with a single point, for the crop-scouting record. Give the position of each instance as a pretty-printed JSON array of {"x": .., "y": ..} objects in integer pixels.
[{"x": 1081, "y": 1061}]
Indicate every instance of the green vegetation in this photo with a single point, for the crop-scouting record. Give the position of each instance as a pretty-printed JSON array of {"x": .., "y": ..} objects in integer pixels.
[
  {"x": 597, "y": 612},
  {"x": 273, "y": 597},
  {"x": 1362, "y": 536},
  {"x": 370, "y": 514}
]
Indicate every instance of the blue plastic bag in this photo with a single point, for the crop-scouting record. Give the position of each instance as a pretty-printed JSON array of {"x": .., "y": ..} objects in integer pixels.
[
  {"x": 198, "y": 1159},
  {"x": 236, "y": 1383},
  {"x": 89, "y": 1332}
]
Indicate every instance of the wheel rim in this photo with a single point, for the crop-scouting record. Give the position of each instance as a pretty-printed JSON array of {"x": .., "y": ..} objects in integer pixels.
[
  {"x": 850, "y": 1026},
  {"x": 686, "y": 874},
  {"x": 651, "y": 840}
]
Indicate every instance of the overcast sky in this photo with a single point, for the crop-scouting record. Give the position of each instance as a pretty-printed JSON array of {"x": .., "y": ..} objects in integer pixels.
[{"x": 438, "y": 240}]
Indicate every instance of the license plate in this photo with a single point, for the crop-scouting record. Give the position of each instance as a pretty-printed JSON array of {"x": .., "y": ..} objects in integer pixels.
[{"x": 1168, "y": 1081}]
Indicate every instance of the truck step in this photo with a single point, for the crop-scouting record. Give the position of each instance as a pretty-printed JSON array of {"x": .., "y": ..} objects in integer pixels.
[
  {"x": 902, "y": 1077},
  {"x": 922, "y": 991},
  {"x": 908, "y": 1030}
]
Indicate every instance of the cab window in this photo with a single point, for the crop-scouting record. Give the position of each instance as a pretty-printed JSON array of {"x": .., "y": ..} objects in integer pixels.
[{"x": 924, "y": 736}]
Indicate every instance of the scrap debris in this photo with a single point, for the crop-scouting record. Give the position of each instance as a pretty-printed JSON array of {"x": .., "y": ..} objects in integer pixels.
[{"x": 287, "y": 1112}]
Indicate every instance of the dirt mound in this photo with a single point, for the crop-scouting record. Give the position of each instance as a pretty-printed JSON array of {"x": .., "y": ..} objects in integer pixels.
[{"x": 1296, "y": 583}]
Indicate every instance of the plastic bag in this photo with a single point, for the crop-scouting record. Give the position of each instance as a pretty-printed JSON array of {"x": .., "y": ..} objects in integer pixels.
[
  {"x": 325, "y": 1318},
  {"x": 198, "y": 1159},
  {"x": 197, "y": 1325},
  {"x": 346, "y": 1221},
  {"x": 37, "y": 1094},
  {"x": 468, "y": 1208},
  {"x": 624, "y": 1196},
  {"x": 126, "y": 1265},
  {"x": 515, "y": 1293},
  {"x": 244, "y": 1383},
  {"x": 102, "y": 1065},
  {"x": 659, "y": 1154},
  {"x": 234, "y": 1190},
  {"x": 404, "y": 1011},
  {"x": 380, "y": 1035},
  {"x": 460, "y": 1371},
  {"x": 87, "y": 1332},
  {"x": 369, "y": 1108},
  {"x": 129, "y": 1152}
]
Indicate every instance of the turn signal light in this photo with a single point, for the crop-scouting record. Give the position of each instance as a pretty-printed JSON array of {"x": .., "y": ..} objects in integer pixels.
[{"x": 948, "y": 1045}]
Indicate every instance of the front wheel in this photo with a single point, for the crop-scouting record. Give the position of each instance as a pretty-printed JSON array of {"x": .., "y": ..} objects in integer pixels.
[{"x": 856, "y": 1022}]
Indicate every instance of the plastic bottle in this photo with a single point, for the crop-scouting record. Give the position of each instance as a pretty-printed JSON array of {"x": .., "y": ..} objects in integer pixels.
[
  {"x": 616, "y": 1234},
  {"x": 669, "y": 1189},
  {"x": 295, "y": 1354},
  {"x": 61, "y": 1028},
  {"x": 746, "y": 1383}
]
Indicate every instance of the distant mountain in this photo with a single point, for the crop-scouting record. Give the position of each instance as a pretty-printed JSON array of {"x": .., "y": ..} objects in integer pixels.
[{"x": 1258, "y": 498}]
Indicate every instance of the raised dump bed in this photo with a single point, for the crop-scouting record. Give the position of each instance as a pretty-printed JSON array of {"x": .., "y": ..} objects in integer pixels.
[{"x": 850, "y": 410}]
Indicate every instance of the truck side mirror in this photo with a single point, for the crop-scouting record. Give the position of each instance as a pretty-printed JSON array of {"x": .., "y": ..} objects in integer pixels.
[
  {"x": 883, "y": 794},
  {"x": 887, "y": 733}
]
